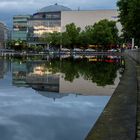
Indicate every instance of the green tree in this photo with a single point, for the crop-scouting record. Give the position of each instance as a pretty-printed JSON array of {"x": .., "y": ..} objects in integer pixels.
[
  {"x": 11, "y": 44},
  {"x": 73, "y": 32},
  {"x": 66, "y": 40},
  {"x": 89, "y": 34},
  {"x": 17, "y": 45},
  {"x": 84, "y": 39},
  {"x": 105, "y": 33},
  {"x": 129, "y": 18},
  {"x": 54, "y": 39}
]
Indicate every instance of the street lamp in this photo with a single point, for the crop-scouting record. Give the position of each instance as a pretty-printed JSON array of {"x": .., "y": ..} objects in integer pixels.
[{"x": 133, "y": 43}]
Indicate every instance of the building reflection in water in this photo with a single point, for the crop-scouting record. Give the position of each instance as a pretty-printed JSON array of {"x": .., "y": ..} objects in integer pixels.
[
  {"x": 1, "y": 69},
  {"x": 5, "y": 66},
  {"x": 43, "y": 79},
  {"x": 19, "y": 71},
  {"x": 48, "y": 78}
]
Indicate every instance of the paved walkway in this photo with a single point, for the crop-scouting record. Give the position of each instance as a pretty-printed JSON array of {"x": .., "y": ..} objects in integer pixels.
[
  {"x": 135, "y": 55},
  {"x": 138, "y": 107},
  {"x": 118, "y": 120}
]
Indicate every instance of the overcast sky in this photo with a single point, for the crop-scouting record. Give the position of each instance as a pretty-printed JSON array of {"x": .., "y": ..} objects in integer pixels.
[{"x": 8, "y": 8}]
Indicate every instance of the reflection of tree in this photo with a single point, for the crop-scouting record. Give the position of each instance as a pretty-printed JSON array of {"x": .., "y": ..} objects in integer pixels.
[
  {"x": 102, "y": 73},
  {"x": 70, "y": 69}
]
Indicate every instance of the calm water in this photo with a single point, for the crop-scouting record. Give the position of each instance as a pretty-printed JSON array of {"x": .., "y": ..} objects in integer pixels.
[{"x": 54, "y": 99}]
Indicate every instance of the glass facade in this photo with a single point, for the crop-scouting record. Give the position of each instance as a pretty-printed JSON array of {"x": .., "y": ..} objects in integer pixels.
[
  {"x": 20, "y": 29},
  {"x": 31, "y": 28},
  {"x": 3, "y": 34},
  {"x": 41, "y": 23}
]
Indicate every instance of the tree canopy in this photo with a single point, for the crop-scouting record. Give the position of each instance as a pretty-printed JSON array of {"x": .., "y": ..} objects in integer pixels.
[
  {"x": 73, "y": 32},
  {"x": 103, "y": 33},
  {"x": 130, "y": 19}
]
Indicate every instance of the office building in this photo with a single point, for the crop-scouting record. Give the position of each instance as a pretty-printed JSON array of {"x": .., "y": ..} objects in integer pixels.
[
  {"x": 54, "y": 18},
  {"x": 46, "y": 20},
  {"x": 3, "y": 35},
  {"x": 20, "y": 30}
]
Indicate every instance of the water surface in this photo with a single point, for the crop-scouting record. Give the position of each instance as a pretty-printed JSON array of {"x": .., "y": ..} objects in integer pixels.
[{"x": 54, "y": 99}]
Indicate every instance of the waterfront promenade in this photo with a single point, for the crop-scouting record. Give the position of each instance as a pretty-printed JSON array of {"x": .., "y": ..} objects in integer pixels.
[
  {"x": 120, "y": 119},
  {"x": 135, "y": 55}
]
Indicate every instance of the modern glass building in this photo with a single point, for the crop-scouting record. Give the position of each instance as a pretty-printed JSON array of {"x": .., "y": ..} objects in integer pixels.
[
  {"x": 3, "y": 35},
  {"x": 54, "y": 18},
  {"x": 20, "y": 29},
  {"x": 46, "y": 20}
]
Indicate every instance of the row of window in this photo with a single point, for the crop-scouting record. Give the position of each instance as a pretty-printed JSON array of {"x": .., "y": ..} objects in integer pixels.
[
  {"x": 48, "y": 16},
  {"x": 20, "y": 22},
  {"x": 44, "y": 23},
  {"x": 15, "y": 28},
  {"x": 21, "y": 18},
  {"x": 37, "y": 23}
]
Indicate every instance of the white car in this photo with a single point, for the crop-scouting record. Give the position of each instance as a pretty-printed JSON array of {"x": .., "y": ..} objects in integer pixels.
[
  {"x": 112, "y": 50},
  {"x": 77, "y": 50},
  {"x": 90, "y": 50}
]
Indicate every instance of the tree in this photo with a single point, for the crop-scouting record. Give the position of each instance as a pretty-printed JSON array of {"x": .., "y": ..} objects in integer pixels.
[
  {"x": 56, "y": 38},
  {"x": 102, "y": 33},
  {"x": 129, "y": 18},
  {"x": 17, "y": 44},
  {"x": 53, "y": 39},
  {"x": 89, "y": 33},
  {"x": 105, "y": 33},
  {"x": 66, "y": 40},
  {"x": 85, "y": 38},
  {"x": 73, "y": 33}
]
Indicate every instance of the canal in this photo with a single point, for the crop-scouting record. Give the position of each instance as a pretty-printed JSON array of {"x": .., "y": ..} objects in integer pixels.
[{"x": 58, "y": 98}]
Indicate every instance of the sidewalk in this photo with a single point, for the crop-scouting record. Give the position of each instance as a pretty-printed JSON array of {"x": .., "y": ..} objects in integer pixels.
[{"x": 138, "y": 107}]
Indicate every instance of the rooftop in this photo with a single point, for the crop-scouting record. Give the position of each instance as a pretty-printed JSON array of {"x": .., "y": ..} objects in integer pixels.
[{"x": 54, "y": 8}]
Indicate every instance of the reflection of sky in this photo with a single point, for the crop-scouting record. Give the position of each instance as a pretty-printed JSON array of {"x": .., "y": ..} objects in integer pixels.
[
  {"x": 26, "y": 115},
  {"x": 29, "y": 116},
  {"x": 87, "y": 87}
]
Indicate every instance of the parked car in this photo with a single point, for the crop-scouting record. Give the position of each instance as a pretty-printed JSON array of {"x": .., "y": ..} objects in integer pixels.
[
  {"x": 90, "y": 50},
  {"x": 112, "y": 50},
  {"x": 65, "y": 51}
]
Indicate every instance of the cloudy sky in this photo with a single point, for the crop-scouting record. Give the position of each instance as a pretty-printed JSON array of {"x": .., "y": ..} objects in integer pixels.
[{"x": 8, "y": 8}]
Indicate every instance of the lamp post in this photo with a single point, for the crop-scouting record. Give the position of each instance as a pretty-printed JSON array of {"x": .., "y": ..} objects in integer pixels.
[{"x": 133, "y": 43}]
